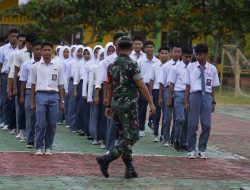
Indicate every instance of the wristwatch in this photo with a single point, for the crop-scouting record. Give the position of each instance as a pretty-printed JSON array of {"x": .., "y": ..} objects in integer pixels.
[{"x": 62, "y": 101}]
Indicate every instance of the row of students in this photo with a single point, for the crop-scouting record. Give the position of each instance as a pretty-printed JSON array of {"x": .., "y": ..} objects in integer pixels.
[{"x": 171, "y": 83}]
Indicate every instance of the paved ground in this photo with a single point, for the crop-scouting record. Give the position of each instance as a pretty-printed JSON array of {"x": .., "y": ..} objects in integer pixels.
[{"x": 74, "y": 167}]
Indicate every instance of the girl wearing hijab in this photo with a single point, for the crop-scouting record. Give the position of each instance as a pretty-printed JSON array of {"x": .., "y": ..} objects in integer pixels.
[
  {"x": 63, "y": 55},
  {"x": 107, "y": 124},
  {"x": 72, "y": 76},
  {"x": 96, "y": 49},
  {"x": 95, "y": 109}
]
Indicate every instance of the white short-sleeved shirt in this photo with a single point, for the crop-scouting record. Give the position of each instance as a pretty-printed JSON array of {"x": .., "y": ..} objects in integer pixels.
[
  {"x": 10, "y": 62},
  {"x": 135, "y": 56},
  {"x": 106, "y": 62},
  {"x": 177, "y": 75},
  {"x": 21, "y": 57},
  {"x": 47, "y": 77},
  {"x": 93, "y": 76},
  {"x": 155, "y": 75},
  {"x": 193, "y": 77},
  {"x": 25, "y": 73},
  {"x": 166, "y": 69},
  {"x": 5, "y": 51},
  {"x": 145, "y": 66},
  {"x": 84, "y": 74}
]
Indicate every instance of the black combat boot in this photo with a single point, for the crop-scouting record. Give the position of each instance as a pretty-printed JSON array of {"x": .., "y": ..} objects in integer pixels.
[
  {"x": 104, "y": 161},
  {"x": 130, "y": 170}
]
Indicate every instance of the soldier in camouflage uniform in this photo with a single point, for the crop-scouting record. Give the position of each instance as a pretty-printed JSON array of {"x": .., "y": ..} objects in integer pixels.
[{"x": 124, "y": 79}]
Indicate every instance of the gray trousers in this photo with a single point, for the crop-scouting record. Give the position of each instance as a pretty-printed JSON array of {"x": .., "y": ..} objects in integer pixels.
[
  {"x": 112, "y": 132},
  {"x": 200, "y": 109},
  {"x": 47, "y": 107},
  {"x": 30, "y": 118},
  {"x": 181, "y": 118}
]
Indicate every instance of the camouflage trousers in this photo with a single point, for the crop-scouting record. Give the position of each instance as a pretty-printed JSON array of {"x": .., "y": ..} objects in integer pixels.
[{"x": 127, "y": 123}]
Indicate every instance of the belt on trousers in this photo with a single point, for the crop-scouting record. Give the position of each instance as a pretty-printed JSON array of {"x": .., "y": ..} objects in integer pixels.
[
  {"x": 47, "y": 92},
  {"x": 199, "y": 91}
]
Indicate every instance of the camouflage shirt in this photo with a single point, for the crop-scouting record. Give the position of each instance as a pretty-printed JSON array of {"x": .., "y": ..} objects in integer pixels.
[{"x": 122, "y": 74}]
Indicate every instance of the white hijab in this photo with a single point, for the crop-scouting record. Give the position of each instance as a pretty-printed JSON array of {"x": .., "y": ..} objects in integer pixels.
[
  {"x": 75, "y": 52},
  {"x": 107, "y": 47},
  {"x": 99, "y": 55}
]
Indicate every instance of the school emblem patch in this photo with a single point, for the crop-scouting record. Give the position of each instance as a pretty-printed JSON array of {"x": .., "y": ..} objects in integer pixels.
[
  {"x": 54, "y": 77},
  {"x": 209, "y": 81}
]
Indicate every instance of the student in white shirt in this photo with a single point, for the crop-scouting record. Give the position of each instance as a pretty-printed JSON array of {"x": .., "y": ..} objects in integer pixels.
[
  {"x": 201, "y": 80},
  {"x": 8, "y": 106},
  {"x": 109, "y": 57},
  {"x": 177, "y": 89},
  {"x": 64, "y": 60},
  {"x": 155, "y": 78},
  {"x": 145, "y": 64},
  {"x": 167, "y": 109},
  {"x": 95, "y": 109},
  {"x": 47, "y": 80},
  {"x": 10, "y": 66},
  {"x": 73, "y": 78},
  {"x": 21, "y": 57},
  {"x": 137, "y": 48},
  {"x": 83, "y": 108},
  {"x": 25, "y": 99}
]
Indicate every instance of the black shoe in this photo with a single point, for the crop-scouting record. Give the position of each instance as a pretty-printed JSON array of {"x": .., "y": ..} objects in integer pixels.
[
  {"x": 81, "y": 133},
  {"x": 90, "y": 138},
  {"x": 177, "y": 146},
  {"x": 103, "y": 162},
  {"x": 130, "y": 173},
  {"x": 130, "y": 170},
  {"x": 184, "y": 147}
]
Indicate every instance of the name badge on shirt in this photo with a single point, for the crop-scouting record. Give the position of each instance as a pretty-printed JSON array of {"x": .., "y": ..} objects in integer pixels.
[
  {"x": 208, "y": 83},
  {"x": 54, "y": 77}
]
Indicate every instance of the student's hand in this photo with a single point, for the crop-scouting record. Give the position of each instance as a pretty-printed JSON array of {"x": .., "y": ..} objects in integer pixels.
[
  {"x": 22, "y": 100},
  {"x": 186, "y": 106},
  {"x": 160, "y": 102},
  {"x": 61, "y": 106},
  {"x": 75, "y": 93},
  {"x": 105, "y": 101},
  {"x": 15, "y": 92},
  {"x": 33, "y": 106},
  {"x": 97, "y": 100},
  {"x": 152, "y": 109},
  {"x": 213, "y": 108},
  {"x": 91, "y": 103},
  {"x": 108, "y": 113},
  {"x": 66, "y": 94},
  {"x": 9, "y": 94},
  {"x": 170, "y": 102}
]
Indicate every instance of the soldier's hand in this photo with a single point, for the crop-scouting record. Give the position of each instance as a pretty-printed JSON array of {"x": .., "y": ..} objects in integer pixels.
[
  {"x": 152, "y": 109},
  {"x": 109, "y": 113},
  {"x": 160, "y": 102}
]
